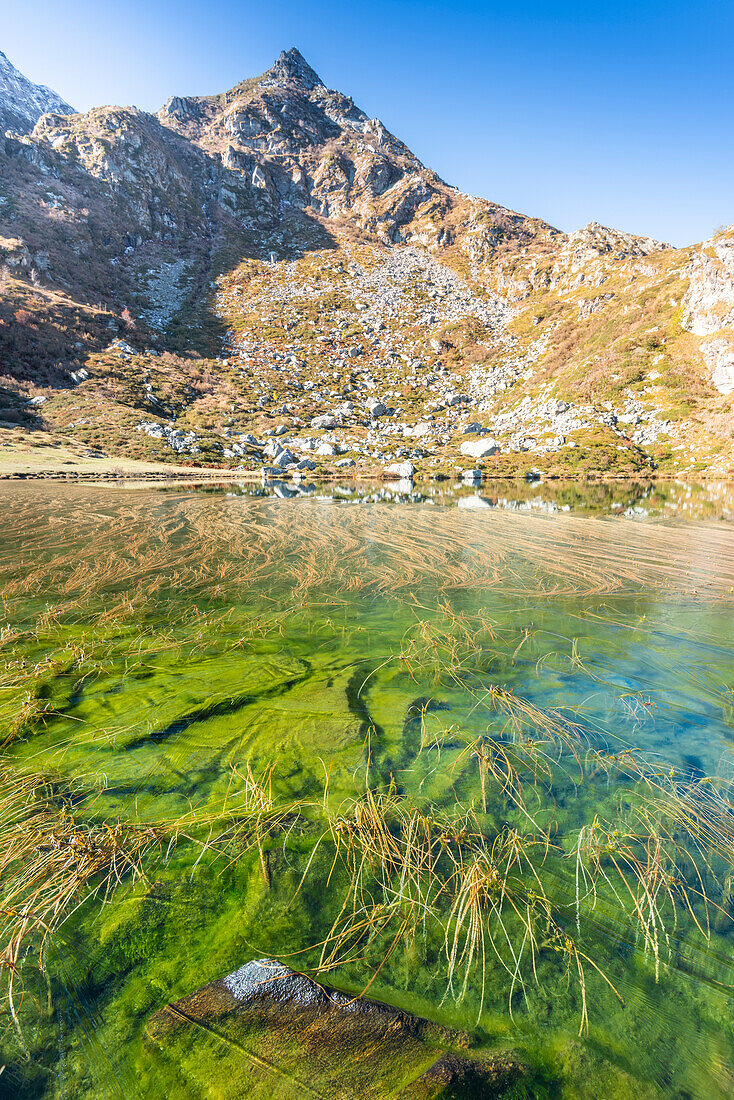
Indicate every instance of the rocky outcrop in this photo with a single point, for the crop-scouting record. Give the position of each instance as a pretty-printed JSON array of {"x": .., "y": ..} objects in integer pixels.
[
  {"x": 22, "y": 102},
  {"x": 292, "y": 68},
  {"x": 709, "y": 303},
  {"x": 709, "y": 306},
  {"x": 597, "y": 240},
  {"x": 718, "y": 354}
]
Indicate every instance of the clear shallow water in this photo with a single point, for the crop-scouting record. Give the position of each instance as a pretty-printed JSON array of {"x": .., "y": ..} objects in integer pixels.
[{"x": 165, "y": 649}]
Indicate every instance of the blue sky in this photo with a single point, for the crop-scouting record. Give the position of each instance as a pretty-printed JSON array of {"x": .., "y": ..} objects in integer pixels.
[{"x": 619, "y": 113}]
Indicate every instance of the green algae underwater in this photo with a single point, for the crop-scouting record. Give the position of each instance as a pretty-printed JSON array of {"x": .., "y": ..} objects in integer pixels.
[{"x": 478, "y": 765}]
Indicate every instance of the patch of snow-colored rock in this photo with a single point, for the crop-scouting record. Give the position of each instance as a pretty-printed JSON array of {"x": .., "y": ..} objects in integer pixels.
[
  {"x": 177, "y": 439},
  {"x": 480, "y": 448},
  {"x": 709, "y": 307},
  {"x": 709, "y": 302},
  {"x": 718, "y": 354},
  {"x": 22, "y": 102}
]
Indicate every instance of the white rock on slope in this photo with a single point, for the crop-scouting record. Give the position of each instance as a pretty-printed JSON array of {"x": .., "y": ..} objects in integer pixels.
[
  {"x": 718, "y": 355},
  {"x": 480, "y": 448},
  {"x": 403, "y": 470},
  {"x": 709, "y": 306},
  {"x": 709, "y": 303}
]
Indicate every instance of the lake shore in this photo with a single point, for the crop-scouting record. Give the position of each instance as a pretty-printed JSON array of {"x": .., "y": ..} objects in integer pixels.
[{"x": 49, "y": 460}]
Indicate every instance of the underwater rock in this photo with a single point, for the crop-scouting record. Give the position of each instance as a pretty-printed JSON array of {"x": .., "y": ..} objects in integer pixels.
[
  {"x": 268, "y": 1031},
  {"x": 455, "y": 1076},
  {"x": 268, "y": 980}
]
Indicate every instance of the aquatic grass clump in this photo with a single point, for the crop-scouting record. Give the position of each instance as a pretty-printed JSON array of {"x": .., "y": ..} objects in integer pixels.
[
  {"x": 518, "y": 894},
  {"x": 672, "y": 843},
  {"x": 56, "y": 856},
  {"x": 244, "y": 818},
  {"x": 412, "y": 870},
  {"x": 50, "y": 864}
]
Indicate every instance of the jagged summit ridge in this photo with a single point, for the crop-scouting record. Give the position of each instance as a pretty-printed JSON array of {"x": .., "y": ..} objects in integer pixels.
[
  {"x": 291, "y": 67},
  {"x": 297, "y": 141},
  {"x": 22, "y": 102}
]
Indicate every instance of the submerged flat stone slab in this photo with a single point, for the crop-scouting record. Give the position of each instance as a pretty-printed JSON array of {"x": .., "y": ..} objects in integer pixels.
[{"x": 266, "y": 1031}]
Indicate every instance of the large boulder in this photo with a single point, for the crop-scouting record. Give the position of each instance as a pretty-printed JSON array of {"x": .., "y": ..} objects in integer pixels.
[
  {"x": 480, "y": 448},
  {"x": 266, "y": 1032},
  {"x": 402, "y": 470},
  {"x": 376, "y": 408},
  {"x": 326, "y": 420},
  {"x": 284, "y": 458}
]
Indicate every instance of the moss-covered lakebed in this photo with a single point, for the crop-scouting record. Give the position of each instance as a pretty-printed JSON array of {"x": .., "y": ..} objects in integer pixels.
[{"x": 476, "y": 765}]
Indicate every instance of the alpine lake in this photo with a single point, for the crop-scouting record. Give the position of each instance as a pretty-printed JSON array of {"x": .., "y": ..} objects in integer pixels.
[{"x": 467, "y": 755}]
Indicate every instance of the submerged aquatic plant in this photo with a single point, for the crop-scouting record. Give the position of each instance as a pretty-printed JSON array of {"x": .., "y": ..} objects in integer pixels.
[
  {"x": 51, "y": 862},
  {"x": 511, "y": 894},
  {"x": 56, "y": 855}
]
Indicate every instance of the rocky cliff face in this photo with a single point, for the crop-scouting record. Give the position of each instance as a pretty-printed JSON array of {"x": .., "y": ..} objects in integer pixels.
[
  {"x": 101, "y": 199},
  {"x": 22, "y": 102},
  {"x": 709, "y": 306},
  {"x": 324, "y": 276}
]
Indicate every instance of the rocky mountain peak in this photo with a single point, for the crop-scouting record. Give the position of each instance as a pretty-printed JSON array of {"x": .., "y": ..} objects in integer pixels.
[
  {"x": 600, "y": 240},
  {"x": 291, "y": 67},
  {"x": 22, "y": 102}
]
